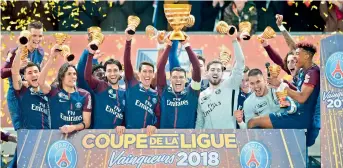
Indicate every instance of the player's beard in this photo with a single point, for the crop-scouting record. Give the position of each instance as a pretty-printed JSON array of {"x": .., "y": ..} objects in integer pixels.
[
  {"x": 215, "y": 82},
  {"x": 113, "y": 83}
]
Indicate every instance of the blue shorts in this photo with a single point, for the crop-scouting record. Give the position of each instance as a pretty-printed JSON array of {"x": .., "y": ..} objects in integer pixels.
[{"x": 290, "y": 121}]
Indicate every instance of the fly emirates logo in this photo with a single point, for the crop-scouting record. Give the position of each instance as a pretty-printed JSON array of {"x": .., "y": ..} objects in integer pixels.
[
  {"x": 115, "y": 111},
  {"x": 41, "y": 107},
  {"x": 71, "y": 117},
  {"x": 177, "y": 102},
  {"x": 147, "y": 106}
]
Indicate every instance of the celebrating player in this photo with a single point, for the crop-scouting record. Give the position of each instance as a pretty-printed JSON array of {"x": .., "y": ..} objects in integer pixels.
[
  {"x": 141, "y": 99},
  {"x": 262, "y": 101},
  {"x": 177, "y": 103},
  {"x": 35, "y": 55},
  {"x": 218, "y": 102},
  {"x": 307, "y": 97},
  {"x": 70, "y": 107},
  {"x": 109, "y": 98},
  {"x": 34, "y": 110}
]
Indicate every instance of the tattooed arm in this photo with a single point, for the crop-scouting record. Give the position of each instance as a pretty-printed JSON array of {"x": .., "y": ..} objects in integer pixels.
[{"x": 289, "y": 40}]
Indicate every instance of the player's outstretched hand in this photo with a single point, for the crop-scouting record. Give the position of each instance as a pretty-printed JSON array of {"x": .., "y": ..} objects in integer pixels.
[
  {"x": 120, "y": 130},
  {"x": 150, "y": 130}
]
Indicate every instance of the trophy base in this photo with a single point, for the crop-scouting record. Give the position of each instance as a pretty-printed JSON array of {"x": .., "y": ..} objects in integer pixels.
[{"x": 177, "y": 35}]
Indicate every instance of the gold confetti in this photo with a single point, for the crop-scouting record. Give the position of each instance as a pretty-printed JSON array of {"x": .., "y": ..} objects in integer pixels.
[
  {"x": 284, "y": 22},
  {"x": 64, "y": 22},
  {"x": 251, "y": 8},
  {"x": 111, "y": 3},
  {"x": 9, "y": 121},
  {"x": 104, "y": 15},
  {"x": 75, "y": 26},
  {"x": 4, "y": 160},
  {"x": 99, "y": 9},
  {"x": 60, "y": 14},
  {"x": 46, "y": 12},
  {"x": 296, "y": 4},
  {"x": 6, "y": 17},
  {"x": 264, "y": 9},
  {"x": 296, "y": 14},
  {"x": 12, "y": 22},
  {"x": 81, "y": 22},
  {"x": 83, "y": 7},
  {"x": 67, "y": 7},
  {"x": 37, "y": 15},
  {"x": 3, "y": 47},
  {"x": 76, "y": 9},
  {"x": 8, "y": 28},
  {"x": 34, "y": 10},
  {"x": 316, "y": 26},
  {"x": 314, "y": 7},
  {"x": 330, "y": 7}
]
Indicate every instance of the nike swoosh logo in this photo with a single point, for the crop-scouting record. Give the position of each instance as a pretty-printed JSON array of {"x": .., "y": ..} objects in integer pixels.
[{"x": 62, "y": 101}]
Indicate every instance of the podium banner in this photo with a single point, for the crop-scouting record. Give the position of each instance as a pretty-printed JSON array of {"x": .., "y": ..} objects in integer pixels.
[
  {"x": 166, "y": 148},
  {"x": 331, "y": 56}
]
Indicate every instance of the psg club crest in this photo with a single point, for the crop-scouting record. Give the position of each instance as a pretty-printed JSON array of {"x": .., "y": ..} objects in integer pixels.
[
  {"x": 255, "y": 155},
  {"x": 62, "y": 154},
  {"x": 333, "y": 69},
  {"x": 78, "y": 105}
]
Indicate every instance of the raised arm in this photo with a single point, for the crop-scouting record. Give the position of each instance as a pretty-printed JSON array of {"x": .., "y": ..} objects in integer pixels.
[
  {"x": 44, "y": 86},
  {"x": 6, "y": 68},
  {"x": 129, "y": 74},
  {"x": 274, "y": 56},
  {"x": 92, "y": 82},
  {"x": 173, "y": 60},
  {"x": 196, "y": 74},
  {"x": 17, "y": 83},
  {"x": 81, "y": 65},
  {"x": 237, "y": 72},
  {"x": 161, "y": 73},
  {"x": 289, "y": 40}
]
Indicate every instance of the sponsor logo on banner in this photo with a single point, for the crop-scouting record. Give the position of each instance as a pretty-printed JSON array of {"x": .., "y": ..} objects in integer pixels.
[
  {"x": 254, "y": 154},
  {"x": 62, "y": 154},
  {"x": 333, "y": 69}
]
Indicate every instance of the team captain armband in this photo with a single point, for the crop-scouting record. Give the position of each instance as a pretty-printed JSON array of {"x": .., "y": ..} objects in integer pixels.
[{"x": 195, "y": 85}]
